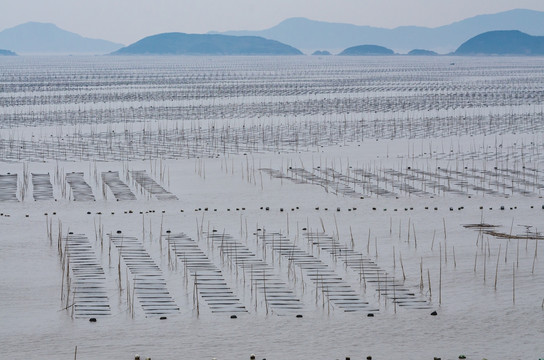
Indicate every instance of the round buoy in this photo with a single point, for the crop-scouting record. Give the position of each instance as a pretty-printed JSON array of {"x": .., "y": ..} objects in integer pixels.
[{"x": 93, "y": 320}]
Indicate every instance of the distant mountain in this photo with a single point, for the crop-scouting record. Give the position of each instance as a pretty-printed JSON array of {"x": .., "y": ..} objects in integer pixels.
[
  {"x": 7, "y": 53},
  {"x": 422, "y": 52},
  {"x": 42, "y": 38},
  {"x": 367, "y": 50},
  {"x": 206, "y": 44},
  {"x": 310, "y": 35},
  {"x": 503, "y": 43},
  {"x": 321, "y": 53}
]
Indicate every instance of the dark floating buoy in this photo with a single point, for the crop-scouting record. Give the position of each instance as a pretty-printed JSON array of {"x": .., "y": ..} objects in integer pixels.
[
  {"x": 234, "y": 317},
  {"x": 337, "y": 209},
  {"x": 92, "y": 320},
  {"x": 118, "y": 231},
  {"x": 369, "y": 357},
  {"x": 168, "y": 231},
  {"x": 303, "y": 229},
  {"x": 88, "y": 213},
  {"x": 370, "y": 315},
  {"x": 252, "y": 357},
  {"x": 434, "y": 313},
  {"x": 462, "y": 357},
  {"x": 299, "y": 316},
  {"x": 163, "y": 318},
  {"x": 71, "y": 233}
]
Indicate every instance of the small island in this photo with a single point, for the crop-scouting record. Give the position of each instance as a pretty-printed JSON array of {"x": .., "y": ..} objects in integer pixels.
[
  {"x": 206, "y": 44},
  {"x": 321, "y": 53},
  {"x": 503, "y": 42},
  {"x": 367, "y": 50},
  {"x": 7, "y": 53},
  {"x": 422, "y": 52}
]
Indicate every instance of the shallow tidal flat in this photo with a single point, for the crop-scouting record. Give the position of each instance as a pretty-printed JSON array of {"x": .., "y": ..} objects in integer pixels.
[{"x": 291, "y": 207}]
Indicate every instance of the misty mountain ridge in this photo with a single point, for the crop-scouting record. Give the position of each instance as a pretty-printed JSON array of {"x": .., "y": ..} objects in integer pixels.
[
  {"x": 46, "y": 38},
  {"x": 309, "y": 35}
]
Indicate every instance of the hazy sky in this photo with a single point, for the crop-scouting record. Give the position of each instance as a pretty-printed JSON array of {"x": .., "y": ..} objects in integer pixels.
[{"x": 126, "y": 21}]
